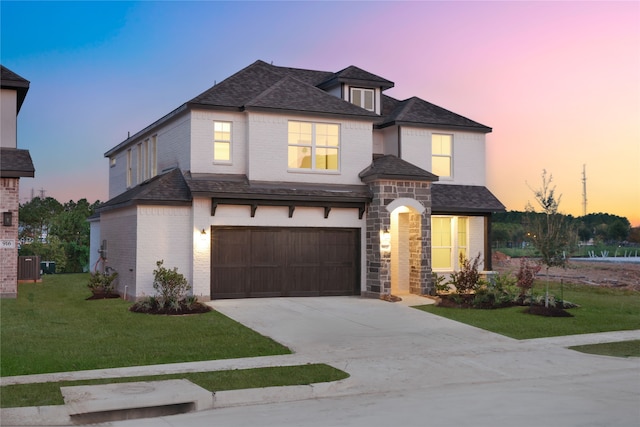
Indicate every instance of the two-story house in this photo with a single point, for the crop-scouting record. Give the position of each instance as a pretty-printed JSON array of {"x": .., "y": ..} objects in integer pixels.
[
  {"x": 290, "y": 182},
  {"x": 15, "y": 163}
]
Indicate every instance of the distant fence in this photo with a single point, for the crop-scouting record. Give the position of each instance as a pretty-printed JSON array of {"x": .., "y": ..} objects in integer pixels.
[{"x": 28, "y": 268}]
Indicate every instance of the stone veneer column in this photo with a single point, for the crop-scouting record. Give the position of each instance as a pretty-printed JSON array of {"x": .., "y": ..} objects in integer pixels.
[
  {"x": 379, "y": 218},
  {"x": 378, "y": 264}
]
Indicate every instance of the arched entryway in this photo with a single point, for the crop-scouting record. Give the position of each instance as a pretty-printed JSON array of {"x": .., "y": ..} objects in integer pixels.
[{"x": 406, "y": 245}]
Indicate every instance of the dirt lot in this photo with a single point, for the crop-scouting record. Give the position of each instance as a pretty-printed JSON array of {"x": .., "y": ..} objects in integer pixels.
[{"x": 599, "y": 273}]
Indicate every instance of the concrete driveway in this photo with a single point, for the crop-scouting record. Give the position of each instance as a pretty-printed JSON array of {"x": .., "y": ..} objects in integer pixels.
[{"x": 411, "y": 368}]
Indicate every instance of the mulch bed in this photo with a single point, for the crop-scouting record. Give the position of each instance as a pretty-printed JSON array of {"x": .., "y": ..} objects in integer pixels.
[
  {"x": 466, "y": 301},
  {"x": 197, "y": 308},
  {"x": 100, "y": 295}
]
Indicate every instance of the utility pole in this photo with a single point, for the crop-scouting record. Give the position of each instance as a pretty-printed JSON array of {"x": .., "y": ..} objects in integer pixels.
[{"x": 584, "y": 190}]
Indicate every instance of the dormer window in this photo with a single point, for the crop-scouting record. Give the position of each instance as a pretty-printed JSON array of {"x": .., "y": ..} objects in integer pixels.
[{"x": 363, "y": 98}]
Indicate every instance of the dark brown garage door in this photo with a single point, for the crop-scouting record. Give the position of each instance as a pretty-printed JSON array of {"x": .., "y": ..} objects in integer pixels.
[{"x": 273, "y": 262}]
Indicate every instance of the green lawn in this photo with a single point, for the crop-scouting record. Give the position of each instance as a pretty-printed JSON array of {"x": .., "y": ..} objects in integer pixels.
[
  {"x": 51, "y": 327},
  {"x": 44, "y": 394},
  {"x": 601, "y": 310},
  {"x": 616, "y": 349}
]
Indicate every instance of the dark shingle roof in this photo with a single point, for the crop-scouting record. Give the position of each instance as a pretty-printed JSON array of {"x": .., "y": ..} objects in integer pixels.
[
  {"x": 169, "y": 188},
  {"x": 10, "y": 80},
  {"x": 293, "y": 95},
  {"x": 15, "y": 163},
  {"x": 447, "y": 198},
  {"x": 355, "y": 76},
  {"x": 239, "y": 187},
  {"x": 415, "y": 111},
  {"x": 392, "y": 167},
  {"x": 265, "y": 86}
]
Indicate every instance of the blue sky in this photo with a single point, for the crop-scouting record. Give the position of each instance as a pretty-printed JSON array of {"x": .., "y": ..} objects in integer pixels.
[{"x": 557, "y": 81}]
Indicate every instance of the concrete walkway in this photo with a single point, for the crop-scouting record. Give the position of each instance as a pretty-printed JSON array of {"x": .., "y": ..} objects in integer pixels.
[{"x": 406, "y": 366}]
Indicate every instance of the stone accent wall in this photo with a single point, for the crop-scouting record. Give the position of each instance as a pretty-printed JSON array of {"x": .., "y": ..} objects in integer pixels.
[
  {"x": 9, "y": 255},
  {"x": 378, "y": 218}
]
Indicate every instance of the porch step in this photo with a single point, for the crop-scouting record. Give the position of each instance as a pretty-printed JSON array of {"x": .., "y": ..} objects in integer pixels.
[{"x": 123, "y": 401}]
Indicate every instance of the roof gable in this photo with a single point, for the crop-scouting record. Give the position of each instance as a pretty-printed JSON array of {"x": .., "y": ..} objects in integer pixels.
[
  {"x": 416, "y": 111},
  {"x": 392, "y": 167},
  {"x": 169, "y": 188},
  {"x": 294, "y": 95},
  {"x": 355, "y": 76},
  {"x": 10, "y": 80}
]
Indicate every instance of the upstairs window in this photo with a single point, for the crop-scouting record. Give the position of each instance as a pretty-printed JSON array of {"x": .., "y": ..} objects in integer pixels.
[
  {"x": 363, "y": 98},
  {"x": 153, "y": 156},
  {"x": 222, "y": 142},
  {"x": 441, "y": 155},
  {"x": 313, "y": 146},
  {"x": 129, "y": 168}
]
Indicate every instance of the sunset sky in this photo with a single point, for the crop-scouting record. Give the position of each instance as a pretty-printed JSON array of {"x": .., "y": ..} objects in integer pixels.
[{"x": 559, "y": 82}]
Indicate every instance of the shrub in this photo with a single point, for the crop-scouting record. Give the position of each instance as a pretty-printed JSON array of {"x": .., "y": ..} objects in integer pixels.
[
  {"x": 467, "y": 279},
  {"x": 171, "y": 286},
  {"x": 440, "y": 284},
  {"x": 171, "y": 296},
  {"x": 526, "y": 275},
  {"x": 102, "y": 282}
]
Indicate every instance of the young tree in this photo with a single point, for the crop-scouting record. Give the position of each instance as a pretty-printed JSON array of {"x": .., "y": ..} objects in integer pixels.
[{"x": 550, "y": 231}]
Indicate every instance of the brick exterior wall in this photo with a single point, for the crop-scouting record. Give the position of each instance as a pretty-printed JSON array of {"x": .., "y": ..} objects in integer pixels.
[
  {"x": 9, "y": 195},
  {"x": 378, "y": 268}
]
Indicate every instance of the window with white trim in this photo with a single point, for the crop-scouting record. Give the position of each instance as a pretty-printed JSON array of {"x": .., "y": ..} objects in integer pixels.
[
  {"x": 441, "y": 155},
  {"x": 313, "y": 146},
  {"x": 153, "y": 156},
  {"x": 145, "y": 159},
  {"x": 129, "y": 169},
  {"x": 449, "y": 239},
  {"x": 222, "y": 142},
  {"x": 363, "y": 98},
  {"x": 140, "y": 162}
]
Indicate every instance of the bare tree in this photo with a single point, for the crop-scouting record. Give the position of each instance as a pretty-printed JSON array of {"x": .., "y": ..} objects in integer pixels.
[{"x": 550, "y": 232}]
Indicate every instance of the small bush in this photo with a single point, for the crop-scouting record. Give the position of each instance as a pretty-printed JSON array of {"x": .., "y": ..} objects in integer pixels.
[
  {"x": 467, "y": 280},
  {"x": 171, "y": 286},
  {"x": 526, "y": 275},
  {"x": 102, "y": 283},
  {"x": 440, "y": 284},
  {"x": 171, "y": 297}
]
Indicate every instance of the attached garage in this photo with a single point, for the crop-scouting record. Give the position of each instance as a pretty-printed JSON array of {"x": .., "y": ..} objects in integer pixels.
[{"x": 283, "y": 262}]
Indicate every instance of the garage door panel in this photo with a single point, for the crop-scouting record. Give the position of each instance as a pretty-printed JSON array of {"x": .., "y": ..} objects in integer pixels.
[
  {"x": 334, "y": 279},
  {"x": 231, "y": 281},
  {"x": 304, "y": 280},
  {"x": 275, "y": 261},
  {"x": 265, "y": 281}
]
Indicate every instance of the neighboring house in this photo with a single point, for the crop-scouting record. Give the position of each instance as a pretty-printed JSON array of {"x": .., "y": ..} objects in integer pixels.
[
  {"x": 14, "y": 164},
  {"x": 290, "y": 182}
]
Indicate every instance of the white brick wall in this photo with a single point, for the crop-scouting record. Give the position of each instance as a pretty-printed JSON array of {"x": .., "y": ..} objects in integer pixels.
[
  {"x": 202, "y": 142},
  {"x": 267, "y": 154},
  {"x": 173, "y": 147},
  {"x": 469, "y": 163},
  {"x": 118, "y": 228},
  {"x": 163, "y": 233}
]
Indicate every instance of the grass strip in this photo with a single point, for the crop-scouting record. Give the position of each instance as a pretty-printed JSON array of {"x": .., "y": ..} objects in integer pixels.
[
  {"x": 45, "y": 394},
  {"x": 51, "y": 327},
  {"x": 615, "y": 349},
  {"x": 601, "y": 310}
]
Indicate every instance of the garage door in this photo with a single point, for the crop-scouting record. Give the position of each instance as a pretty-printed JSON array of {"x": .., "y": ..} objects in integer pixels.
[{"x": 273, "y": 262}]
